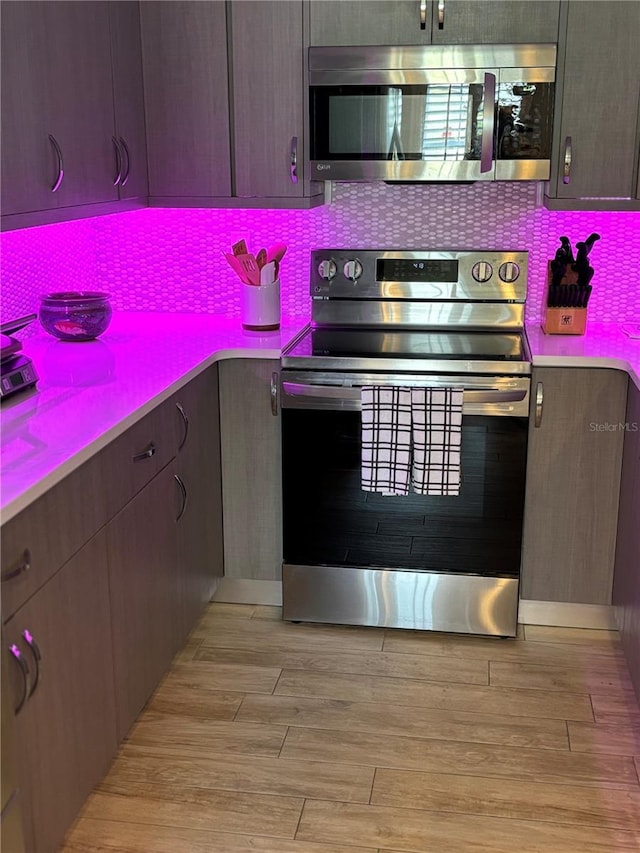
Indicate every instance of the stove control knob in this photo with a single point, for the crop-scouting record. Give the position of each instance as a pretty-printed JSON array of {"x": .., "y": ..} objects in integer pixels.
[
  {"x": 352, "y": 270},
  {"x": 509, "y": 272},
  {"x": 482, "y": 271},
  {"x": 327, "y": 269}
]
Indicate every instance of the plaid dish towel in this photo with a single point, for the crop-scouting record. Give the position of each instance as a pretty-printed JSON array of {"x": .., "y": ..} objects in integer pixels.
[
  {"x": 436, "y": 415},
  {"x": 386, "y": 439}
]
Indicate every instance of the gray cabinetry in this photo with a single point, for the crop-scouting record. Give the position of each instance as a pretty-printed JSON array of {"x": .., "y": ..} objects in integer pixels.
[
  {"x": 626, "y": 584},
  {"x": 200, "y": 553},
  {"x": 65, "y": 731},
  {"x": 596, "y": 126},
  {"x": 573, "y": 480},
  {"x": 449, "y": 22},
  {"x": 251, "y": 471}
]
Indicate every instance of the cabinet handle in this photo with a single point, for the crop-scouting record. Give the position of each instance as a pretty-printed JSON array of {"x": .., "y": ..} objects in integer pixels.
[
  {"x": 539, "y": 404},
  {"x": 423, "y": 14},
  {"x": 26, "y": 678},
  {"x": 116, "y": 145},
  {"x": 293, "y": 166},
  {"x": 23, "y": 566},
  {"x": 37, "y": 656},
  {"x": 488, "y": 118},
  {"x": 183, "y": 492},
  {"x": 566, "y": 175},
  {"x": 145, "y": 454},
  {"x": 440, "y": 14},
  {"x": 125, "y": 148},
  {"x": 274, "y": 394},
  {"x": 60, "y": 176},
  {"x": 185, "y": 422}
]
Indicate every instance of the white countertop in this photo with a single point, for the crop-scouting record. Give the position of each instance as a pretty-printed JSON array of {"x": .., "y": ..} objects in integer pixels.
[{"x": 89, "y": 393}]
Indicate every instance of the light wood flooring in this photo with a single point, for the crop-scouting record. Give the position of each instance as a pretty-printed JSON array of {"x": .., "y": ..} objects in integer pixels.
[{"x": 280, "y": 738}]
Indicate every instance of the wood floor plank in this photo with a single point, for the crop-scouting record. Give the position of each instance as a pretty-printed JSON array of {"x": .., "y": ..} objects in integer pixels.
[
  {"x": 581, "y": 636},
  {"x": 223, "y": 608},
  {"x": 197, "y": 808},
  {"x": 435, "y": 756},
  {"x": 194, "y": 702},
  {"x": 190, "y": 648},
  {"x": 238, "y": 633},
  {"x": 208, "y": 675},
  {"x": 267, "y": 611},
  {"x": 384, "y": 719},
  {"x": 106, "y": 836},
  {"x": 417, "y": 831},
  {"x": 584, "y": 677},
  {"x": 420, "y": 667},
  {"x": 468, "y": 697},
  {"x": 615, "y": 705},
  {"x": 200, "y": 736},
  {"x": 604, "y": 738},
  {"x": 572, "y": 804},
  {"x": 137, "y": 765}
]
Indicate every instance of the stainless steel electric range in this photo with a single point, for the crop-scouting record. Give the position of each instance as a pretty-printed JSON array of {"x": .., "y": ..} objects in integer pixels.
[{"x": 437, "y": 319}]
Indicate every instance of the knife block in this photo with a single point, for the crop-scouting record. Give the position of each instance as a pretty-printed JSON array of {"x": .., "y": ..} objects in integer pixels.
[{"x": 563, "y": 321}]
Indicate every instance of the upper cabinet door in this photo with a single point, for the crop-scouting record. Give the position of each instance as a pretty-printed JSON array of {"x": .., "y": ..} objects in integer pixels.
[
  {"x": 495, "y": 21},
  {"x": 596, "y": 146},
  {"x": 57, "y": 105},
  {"x": 268, "y": 97},
  {"x": 186, "y": 87},
  {"x": 353, "y": 22}
]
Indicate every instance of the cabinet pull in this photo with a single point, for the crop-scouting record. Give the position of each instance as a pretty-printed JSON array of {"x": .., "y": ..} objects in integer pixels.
[
  {"x": 183, "y": 492},
  {"x": 127, "y": 167},
  {"x": 488, "y": 118},
  {"x": 145, "y": 454},
  {"x": 566, "y": 175},
  {"x": 116, "y": 145},
  {"x": 22, "y": 567},
  {"x": 26, "y": 678},
  {"x": 185, "y": 422},
  {"x": 274, "y": 394},
  {"x": 440, "y": 14},
  {"x": 423, "y": 14},
  {"x": 60, "y": 176},
  {"x": 293, "y": 165},
  {"x": 539, "y": 404},
  {"x": 37, "y": 656}
]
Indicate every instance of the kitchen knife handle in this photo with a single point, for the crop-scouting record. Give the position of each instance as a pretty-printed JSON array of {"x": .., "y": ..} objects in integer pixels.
[
  {"x": 293, "y": 163},
  {"x": 539, "y": 404},
  {"x": 440, "y": 14},
  {"x": 274, "y": 394},
  {"x": 118, "y": 150},
  {"x": 185, "y": 423},
  {"x": 183, "y": 493},
  {"x": 423, "y": 14},
  {"x": 60, "y": 175},
  {"x": 566, "y": 176},
  {"x": 488, "y": 121},
  {"x": 26, "y": 677}
]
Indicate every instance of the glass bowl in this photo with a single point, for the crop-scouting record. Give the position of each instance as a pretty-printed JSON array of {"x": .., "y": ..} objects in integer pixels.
[{"x": 75, "y": 315}]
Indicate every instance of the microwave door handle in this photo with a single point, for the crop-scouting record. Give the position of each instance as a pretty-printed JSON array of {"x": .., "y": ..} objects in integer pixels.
[{"x": 488, "y": 123}]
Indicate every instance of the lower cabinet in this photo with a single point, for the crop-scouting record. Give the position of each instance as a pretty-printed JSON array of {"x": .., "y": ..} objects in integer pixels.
[
  {"x": 573, "y": 480},
  {"x": 251, "y": 471},
  {"x": 144, "y": 593},
  {"x": 62, "y": 691},
  {"x": 626, "y": 583}
]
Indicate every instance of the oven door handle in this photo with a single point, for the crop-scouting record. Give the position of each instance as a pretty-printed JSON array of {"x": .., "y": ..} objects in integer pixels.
[{"x": 351, "y": 393}]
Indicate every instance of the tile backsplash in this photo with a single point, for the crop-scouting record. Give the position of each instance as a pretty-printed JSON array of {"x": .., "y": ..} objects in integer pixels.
[{"x": 171, "y": 260}]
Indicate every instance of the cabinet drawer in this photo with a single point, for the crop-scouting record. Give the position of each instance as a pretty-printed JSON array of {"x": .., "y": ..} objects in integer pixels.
[
  {"x": 133, "y": 459},
  {"x": 38, "y": 541}
]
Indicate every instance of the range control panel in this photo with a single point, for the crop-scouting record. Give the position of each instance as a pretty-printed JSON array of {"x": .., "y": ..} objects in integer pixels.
[{"x": 415, "y": 274}]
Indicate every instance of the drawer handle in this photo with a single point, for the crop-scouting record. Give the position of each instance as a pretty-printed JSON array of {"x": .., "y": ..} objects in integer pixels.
[
  {"x": 125, "y": 176},
  {"x": 26, "y": 678},
  {"x": 185, "y": 421},
  {"x": 539, "y": 405},
  {"x": 145, "y": 454},
  {"x": 118, "y": 151},
  {"x": 60, "y": 175},
  {"x": 183, "y": 492},
  {"x": 37, "y": 656},
  {"x": 24, "y": 566},
  {"x": 423, "y": 14}
]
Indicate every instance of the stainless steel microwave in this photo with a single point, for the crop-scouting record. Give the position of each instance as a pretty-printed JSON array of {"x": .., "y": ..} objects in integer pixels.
[{"x": 436, "y": 113}]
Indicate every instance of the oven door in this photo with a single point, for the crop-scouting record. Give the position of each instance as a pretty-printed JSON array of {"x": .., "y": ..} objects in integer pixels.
[{"x": 440, "y": 563}]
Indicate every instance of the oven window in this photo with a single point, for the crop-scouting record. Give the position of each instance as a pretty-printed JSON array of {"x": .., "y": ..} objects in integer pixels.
[{"x": 329, "y": 520}]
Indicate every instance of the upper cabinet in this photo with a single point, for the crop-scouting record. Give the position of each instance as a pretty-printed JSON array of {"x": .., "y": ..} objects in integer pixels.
[
  {"x": 61, "y": 145},
  {"x": 597, "y": 124},
  {"x": 354, "y": 22}
]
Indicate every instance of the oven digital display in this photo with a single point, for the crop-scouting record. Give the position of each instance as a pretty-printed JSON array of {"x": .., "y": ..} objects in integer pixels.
[{"x": 416, "y": 269}]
